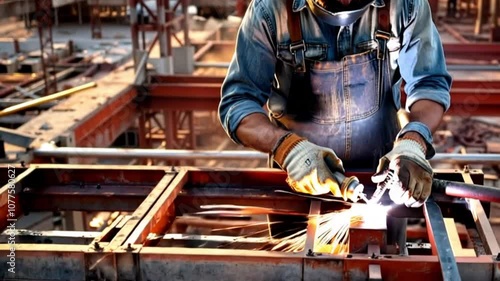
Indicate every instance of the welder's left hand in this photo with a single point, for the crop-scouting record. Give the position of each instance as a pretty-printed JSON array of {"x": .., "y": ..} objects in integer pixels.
[{"x": 412, "y": 173}]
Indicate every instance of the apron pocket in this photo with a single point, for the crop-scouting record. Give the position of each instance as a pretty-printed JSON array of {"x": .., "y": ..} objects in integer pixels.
[
  {"x": 361, "y": 89},
  {"x": 326, "y": 83}
]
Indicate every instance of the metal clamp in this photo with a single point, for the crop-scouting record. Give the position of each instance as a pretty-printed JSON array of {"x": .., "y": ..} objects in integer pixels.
[{"x": 298, "y": 49}]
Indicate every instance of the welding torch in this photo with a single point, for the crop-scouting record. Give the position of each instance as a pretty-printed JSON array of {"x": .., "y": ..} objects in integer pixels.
[{"x": 350, "y": 187}]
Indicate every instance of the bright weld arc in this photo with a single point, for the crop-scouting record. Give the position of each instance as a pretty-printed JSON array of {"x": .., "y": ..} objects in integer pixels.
[{"x": 332, "y": 231}]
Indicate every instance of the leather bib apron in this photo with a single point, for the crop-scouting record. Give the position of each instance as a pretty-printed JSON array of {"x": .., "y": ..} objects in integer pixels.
[{"x": 346, "y": 105}]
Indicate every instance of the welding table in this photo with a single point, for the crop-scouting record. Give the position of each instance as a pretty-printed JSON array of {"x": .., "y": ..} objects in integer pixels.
[{"x": 146, "y": 242}]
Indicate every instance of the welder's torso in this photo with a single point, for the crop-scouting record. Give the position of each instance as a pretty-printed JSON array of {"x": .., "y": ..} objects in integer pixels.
[{"x": 345, "y": 104}]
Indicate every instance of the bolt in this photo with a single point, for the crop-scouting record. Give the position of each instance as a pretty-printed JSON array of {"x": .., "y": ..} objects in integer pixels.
[
  {"x": 310, "y": 253},
  {"x": 23, "y": 164},
  {"x": 26, "y": 189},
  {"x": 98, "y": 186},
  {"x": 129, "y": 247},
  {"x": 97, "y": 247},
  {"x": 349, "y": 256},
  {"x": 374, "y": 256},
  {"x": 497, "y": 258},
  {"x": 466, "y": 169}
]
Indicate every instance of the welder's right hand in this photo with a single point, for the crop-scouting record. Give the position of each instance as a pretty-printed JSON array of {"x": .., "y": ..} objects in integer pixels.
[{"x": 309, "y": 167}]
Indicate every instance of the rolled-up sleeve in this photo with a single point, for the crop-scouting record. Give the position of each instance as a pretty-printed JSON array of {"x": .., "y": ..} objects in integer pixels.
[
  {"x": 422, "y": 62},
  {"x": 247, "y": 85}
]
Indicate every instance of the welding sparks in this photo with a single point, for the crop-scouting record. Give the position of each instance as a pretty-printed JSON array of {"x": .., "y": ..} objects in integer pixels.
[{"x": 332, "y": 232}]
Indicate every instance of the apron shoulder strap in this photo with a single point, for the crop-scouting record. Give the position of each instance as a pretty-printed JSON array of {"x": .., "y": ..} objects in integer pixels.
[
  {"x": 384, "y": 21},
  {"x": 383, "y": 33},
  {"x": 297, "y": 46}
]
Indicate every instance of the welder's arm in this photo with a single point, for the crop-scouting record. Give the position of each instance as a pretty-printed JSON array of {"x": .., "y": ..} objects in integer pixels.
[
  {"x": 257, "y": 132},
  {"x": 423, "y": 67},
  {"x": 244, "y": 92},
  {"x": 309, "y": 167}
]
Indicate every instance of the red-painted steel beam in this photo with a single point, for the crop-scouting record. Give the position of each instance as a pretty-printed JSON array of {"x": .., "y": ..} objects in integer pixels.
[
  {"x": 186, "y": 79},
  {"x": 203, "y": 93},
  {"x": 182, "y": 96},
  {"x": 109, "y": 121},
  {"x": 472, "y": 51}
]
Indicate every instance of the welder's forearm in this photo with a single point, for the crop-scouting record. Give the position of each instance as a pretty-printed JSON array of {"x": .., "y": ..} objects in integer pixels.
[
  {"x": 257, "y": 132},
  {"x": 427, "y": 112}
]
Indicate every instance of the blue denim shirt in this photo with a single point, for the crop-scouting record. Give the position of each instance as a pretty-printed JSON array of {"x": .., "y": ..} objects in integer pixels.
[{"x": 416, "y": 55}]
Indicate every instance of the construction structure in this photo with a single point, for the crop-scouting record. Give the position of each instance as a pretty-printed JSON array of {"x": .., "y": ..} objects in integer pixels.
[{"x": 112, "y": 154}]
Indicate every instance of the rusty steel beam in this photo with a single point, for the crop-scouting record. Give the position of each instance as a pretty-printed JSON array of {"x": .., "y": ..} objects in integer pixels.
[
  {"x": 472, "y": 51},
  {"x": 108, "y": 121},
  {"x": 161, "y": 214},
  {"x": 74, "y": 197},
  {"x": 193, "y": 93},
  {"x": 127, "y": 247}
]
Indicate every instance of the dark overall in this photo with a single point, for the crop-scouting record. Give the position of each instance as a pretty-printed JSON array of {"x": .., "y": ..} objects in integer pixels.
[{"x": 346, "y": 105}]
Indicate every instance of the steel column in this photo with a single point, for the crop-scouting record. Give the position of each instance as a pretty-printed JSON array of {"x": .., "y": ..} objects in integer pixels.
[
  {"x": 44, "y": 21},
  {"x": 95, "y": 19}
]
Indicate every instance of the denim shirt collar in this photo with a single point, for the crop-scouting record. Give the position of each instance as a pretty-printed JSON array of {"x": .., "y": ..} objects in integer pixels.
[{"x": 298, "y": 5}]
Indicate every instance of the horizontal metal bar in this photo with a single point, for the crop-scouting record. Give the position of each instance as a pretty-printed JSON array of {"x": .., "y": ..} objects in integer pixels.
[
  {"x": 47, "y": 151},
  {"x": 464, "y": 67},
  {"x": 74, "y": 197},
  {"x": 472, "y": 158},
  {"x": 210, "y": 241},
  {"x": 16, "y": 138},
  {"x": 49, "y": 236},
  {"x": 15, "y": 101},
  {"x": 212, "y": 64},
  {"x": 53, "y": 151}
]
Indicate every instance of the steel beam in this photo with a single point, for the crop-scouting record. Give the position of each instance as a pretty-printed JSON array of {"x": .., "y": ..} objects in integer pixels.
[
  {"x": 441, "y": 245},
  {"x": 108, "y": 122},
  {"x": 15, "y": 138},
  {"x": 44, "y": 22},
  {"x": 183, "y": 154},
  {"x": 200, "y": 93},
  {"x": 472, "y": 51},
  {"x": 135, "y": 246},
  {"x": 26, "y": 236}
]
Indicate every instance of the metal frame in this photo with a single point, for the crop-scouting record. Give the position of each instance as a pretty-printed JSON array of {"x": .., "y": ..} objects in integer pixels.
[
  {"x": 154, "y": 196},
  {"x": 161, "y": 23}
]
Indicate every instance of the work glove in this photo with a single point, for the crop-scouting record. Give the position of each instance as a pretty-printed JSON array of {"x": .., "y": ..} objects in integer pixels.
[
  {"x": 309, "y": 167},
  {"x": 411, "y": 177}
]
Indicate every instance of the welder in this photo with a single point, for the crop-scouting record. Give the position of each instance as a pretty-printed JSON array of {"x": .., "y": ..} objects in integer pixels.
[{"x": 330, "y": 73}]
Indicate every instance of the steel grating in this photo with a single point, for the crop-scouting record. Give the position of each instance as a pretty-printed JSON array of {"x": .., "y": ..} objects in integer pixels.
[{"x": 159, "y": 224}]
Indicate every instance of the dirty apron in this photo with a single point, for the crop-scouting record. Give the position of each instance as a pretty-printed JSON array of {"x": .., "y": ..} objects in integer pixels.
[{"x": 346, "y": 105}]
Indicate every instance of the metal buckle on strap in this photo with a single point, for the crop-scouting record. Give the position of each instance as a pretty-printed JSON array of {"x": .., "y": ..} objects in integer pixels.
[
  {"x": 298, "y": 49},
  {"x": 382, "y": 38},
  {"x": 297, "y": 45},
  {"x": 383, "y": 35}
]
